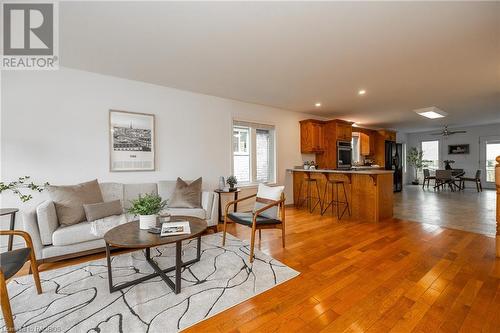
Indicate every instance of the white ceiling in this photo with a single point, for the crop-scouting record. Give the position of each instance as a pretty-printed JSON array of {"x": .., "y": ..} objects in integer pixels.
[{"x": 407, "y": 55}]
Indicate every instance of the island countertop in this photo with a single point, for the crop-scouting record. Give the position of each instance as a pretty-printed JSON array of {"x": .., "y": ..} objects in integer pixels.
[
  {"x": 358, "y": 172},
  {"x": 369, "y": 192}
]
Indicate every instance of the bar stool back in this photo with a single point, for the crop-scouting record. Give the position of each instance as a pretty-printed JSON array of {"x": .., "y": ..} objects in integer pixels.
[
  {"x": 334, "y": 198},
  {"x": 309, "y": 199}
]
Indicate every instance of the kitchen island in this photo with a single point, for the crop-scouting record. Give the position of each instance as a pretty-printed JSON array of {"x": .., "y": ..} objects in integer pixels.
[{"x": 369, "y": 192}]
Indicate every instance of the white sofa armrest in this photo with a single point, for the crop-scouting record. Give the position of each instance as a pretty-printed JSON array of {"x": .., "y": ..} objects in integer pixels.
[
  {"x": 210, "y": 204},
  {"x": 30, "y": 225}
]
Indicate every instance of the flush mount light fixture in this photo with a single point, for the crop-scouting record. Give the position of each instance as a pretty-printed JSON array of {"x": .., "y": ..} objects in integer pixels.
[
  {"x": 361, "y": 92},
  {"x": 431, "y": 112},
  {"x": 317, "y": 105}
]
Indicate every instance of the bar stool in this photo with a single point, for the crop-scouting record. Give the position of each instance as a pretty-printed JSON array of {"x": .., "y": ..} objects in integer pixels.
[
  {"x": 309, "y": 198},
  {"x": 334, "y": 200}
]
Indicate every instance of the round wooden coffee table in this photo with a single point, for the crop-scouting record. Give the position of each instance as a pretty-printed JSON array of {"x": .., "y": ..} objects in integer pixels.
[{"x": 129, "y": 236}]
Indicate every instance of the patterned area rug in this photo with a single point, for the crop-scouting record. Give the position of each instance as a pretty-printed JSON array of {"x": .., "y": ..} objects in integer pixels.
[{"x": 77, "y": 298}]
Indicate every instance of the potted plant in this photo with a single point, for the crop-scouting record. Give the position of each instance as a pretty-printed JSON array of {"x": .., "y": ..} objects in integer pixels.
[
  {"x": 415, "y": 160},
  {"x": 231, "y": 181},
  {"x": 447, "y": 163},
  {"x": 147, "y": 207},
  {"x": 21, "y": 183}
]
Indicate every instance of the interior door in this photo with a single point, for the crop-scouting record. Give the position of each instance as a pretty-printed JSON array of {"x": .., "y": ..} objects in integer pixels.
[{"x": 489, "y": 149}]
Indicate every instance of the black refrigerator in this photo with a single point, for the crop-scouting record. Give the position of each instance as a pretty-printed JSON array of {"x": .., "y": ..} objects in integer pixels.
[{"x": 394, "y": 161}]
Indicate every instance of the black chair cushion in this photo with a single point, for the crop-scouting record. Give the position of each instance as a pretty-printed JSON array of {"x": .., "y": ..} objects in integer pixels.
[
  {"x": 246, "y": 219},
  {"x": 12, "y": 261}
]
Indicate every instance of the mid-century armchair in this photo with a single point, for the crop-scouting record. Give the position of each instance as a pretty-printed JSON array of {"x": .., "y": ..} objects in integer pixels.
[
  {"x": 267, "y": 214},
  {"x": 10, "y": 263}
]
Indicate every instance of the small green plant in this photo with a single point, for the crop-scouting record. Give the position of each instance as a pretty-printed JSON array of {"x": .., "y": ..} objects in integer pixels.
[
  {"x": 231, "y": 181},
  {"x": 148, "y": 204},
  {"x": 416, "y": 160},
  {"x": 22, "y": 183}
]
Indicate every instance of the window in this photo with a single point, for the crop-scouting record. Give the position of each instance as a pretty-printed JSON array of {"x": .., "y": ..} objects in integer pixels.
[
  {"x": 253, "y": 153},
  {"x": 431, "y": 154},
  {"x": 492, "y": 151}
]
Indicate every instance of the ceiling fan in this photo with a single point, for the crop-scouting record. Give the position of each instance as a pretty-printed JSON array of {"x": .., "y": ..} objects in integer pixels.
[{"x": 447, "y": 132}]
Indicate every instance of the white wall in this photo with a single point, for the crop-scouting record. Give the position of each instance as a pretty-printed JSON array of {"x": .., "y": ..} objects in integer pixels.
[
  {"x": 469, "y": 162},
  {"x": 55, "y": 128}
]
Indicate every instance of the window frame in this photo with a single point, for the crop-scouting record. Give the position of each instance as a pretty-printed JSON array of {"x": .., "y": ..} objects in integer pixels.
[{"x": 253, "y": 127}]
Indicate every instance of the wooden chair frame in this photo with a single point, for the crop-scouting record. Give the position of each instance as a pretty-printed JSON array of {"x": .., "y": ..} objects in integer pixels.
[
  {"x": 270, "y": 203},
  {"x": 4, "y": 296}
]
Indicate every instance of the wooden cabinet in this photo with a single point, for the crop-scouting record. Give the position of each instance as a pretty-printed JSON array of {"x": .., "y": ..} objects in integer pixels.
[
  {"x": 364, "y": 144},
  {"x": 343, "y": 131},
  {"x": 312, "y": 136},
  {"x": 388, "y": 135}
]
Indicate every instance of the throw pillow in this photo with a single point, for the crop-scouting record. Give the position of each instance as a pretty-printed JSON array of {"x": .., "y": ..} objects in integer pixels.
[
  {"x": 186, "y": 195},
  {"x": 69, "y": 200},
  {"x": 271, "y": 193},
  {"x": 100, "y": 210}
]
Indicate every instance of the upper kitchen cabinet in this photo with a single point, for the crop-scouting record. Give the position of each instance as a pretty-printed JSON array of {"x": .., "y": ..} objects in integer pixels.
[
  {"x": 364, "y": 144},
  {"x": 388, "y": 135},
  {"x": 312, "y": 136},
  {"x": 343, "y": 130}
]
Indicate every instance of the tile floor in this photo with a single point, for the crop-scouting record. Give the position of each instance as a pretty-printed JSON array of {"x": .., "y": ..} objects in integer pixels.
[{"x": 464, "y": 210}]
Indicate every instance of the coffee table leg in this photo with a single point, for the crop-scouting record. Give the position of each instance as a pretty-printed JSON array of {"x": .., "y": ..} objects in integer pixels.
[
  {"x": 110, "y": 276},
  {"x": 198, "y": 248},
  {"x": 176, "y": 287},
  {"x": 178, "y": 264}
]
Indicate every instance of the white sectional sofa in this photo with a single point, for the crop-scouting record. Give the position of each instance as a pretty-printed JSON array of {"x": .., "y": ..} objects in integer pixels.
[{"x": 53, "y": 242}]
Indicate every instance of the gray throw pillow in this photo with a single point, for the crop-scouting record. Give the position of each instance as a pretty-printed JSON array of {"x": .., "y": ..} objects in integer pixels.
[
  {"x": 69, "y": 200},
  {"x": 102, "y": 209},
  {"x": 186, "y": 195}
]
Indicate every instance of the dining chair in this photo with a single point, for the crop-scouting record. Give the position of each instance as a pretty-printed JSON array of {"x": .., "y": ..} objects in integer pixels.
[
  {"x": 443, "y": 178},
  {"x": 476, "y": 179},
  {"x": 428, "y": 178},
  {"x": 268, "y": 213},
  {"x": 10, "y": 263}
]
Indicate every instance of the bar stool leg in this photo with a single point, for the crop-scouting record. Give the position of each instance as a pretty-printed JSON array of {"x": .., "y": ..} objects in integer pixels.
[
  {"x": 319, "y": 199},
  {"x": 346, "y": 200}
]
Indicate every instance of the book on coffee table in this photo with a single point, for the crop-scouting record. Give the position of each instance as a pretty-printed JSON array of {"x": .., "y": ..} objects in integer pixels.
[{"x": 175, "y": 228}]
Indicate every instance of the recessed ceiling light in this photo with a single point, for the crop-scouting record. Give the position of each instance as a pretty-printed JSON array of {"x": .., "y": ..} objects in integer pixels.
[
  {"x": 317, "y": 105},
  {"x": 431, "y": 112},
  {"x": 362, "y": 92}
]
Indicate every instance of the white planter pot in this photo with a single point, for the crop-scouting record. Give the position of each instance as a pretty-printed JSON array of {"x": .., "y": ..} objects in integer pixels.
[{"x": 147, "y": 221}]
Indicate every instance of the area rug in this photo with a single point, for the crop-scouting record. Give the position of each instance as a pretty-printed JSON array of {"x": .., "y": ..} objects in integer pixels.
[{"x": 77, "y": 298}]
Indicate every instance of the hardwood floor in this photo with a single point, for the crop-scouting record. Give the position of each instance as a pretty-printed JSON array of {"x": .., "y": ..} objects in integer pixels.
[{"x": 392, "y": 276}]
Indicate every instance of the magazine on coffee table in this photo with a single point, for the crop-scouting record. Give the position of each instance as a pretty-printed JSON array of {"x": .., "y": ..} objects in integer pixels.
[{"x": 175, "y": 228}]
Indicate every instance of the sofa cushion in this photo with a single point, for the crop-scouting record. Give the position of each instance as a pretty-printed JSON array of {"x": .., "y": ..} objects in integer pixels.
[
  {"x": 47, "y": 221},
  {"x": 112, "y": 191},
  {"x": 186, "y": 195},
  {"x": 69, "y": 200},
  {"x": 195, "y": 212},
  {"x": 73, "y": 234},
  {"x": 166, "y": 188},
  {"x": 102, "y": 209},
  {"x": 132, "y": 191}
]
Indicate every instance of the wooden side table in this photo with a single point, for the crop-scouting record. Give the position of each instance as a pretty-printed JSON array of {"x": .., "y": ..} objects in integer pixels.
[
  {"x": 12, "y": 212},
  {"x": 235, "y": 196}
]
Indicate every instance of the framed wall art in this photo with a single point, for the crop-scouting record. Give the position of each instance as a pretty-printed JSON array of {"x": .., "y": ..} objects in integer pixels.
[
  {"x": 458, "y": 149},
  {"x": 132, "y": 141}
]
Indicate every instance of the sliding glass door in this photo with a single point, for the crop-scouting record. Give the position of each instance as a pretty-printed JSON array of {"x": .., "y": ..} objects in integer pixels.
[{"x": 490, "y": 149}]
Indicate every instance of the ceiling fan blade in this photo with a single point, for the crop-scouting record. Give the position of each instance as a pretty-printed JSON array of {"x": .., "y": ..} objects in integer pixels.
[
  {"x": 436, "y": 133},
  {"x": 455, "y": 132}
]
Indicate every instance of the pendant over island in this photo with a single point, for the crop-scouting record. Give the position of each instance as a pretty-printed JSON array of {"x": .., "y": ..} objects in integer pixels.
[{"x": 369, "y": 192}]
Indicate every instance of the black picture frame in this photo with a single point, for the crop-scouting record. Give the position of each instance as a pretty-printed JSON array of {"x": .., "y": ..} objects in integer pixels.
[{"x": 458, "y": 149}]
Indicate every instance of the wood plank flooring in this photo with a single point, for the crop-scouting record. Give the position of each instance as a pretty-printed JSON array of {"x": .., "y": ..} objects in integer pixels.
[{"x": 393, "y": 276}]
